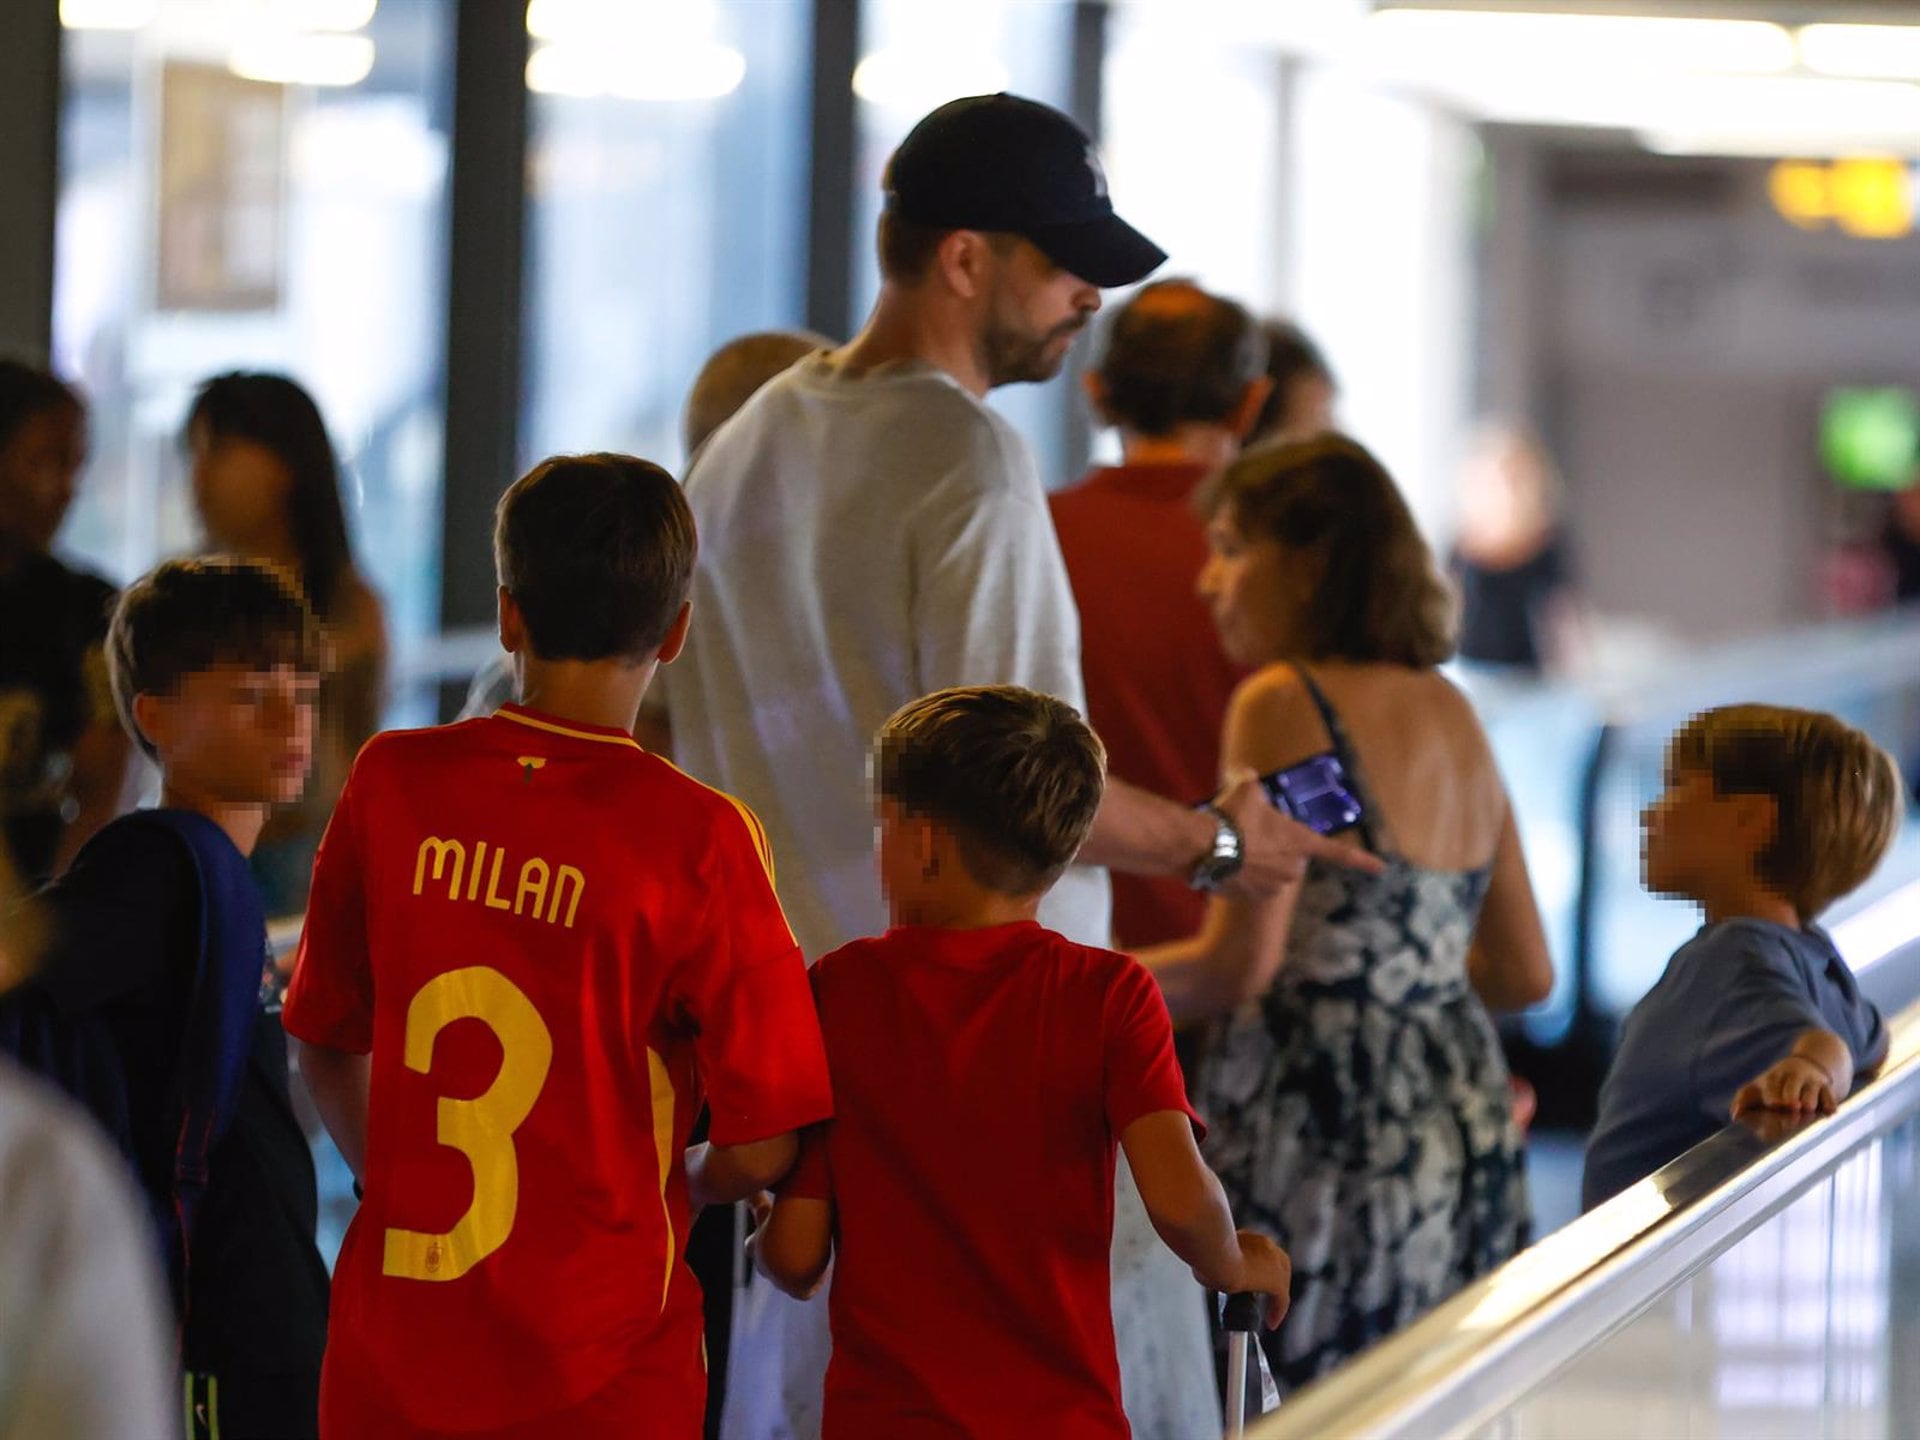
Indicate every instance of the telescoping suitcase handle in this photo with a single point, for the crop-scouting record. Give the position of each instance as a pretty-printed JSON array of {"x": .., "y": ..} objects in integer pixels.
[{"x": 1240, "y": 1318}]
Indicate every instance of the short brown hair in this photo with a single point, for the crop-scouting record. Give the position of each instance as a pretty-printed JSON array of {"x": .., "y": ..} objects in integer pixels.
[
  {"x": 190, "y": 615},
  {"x": 907, "y": 247},
  {"x": 1838, "y": 794},
  {"x": 597, "y": 551},
  {"x": 1379, "y": 597},
  {"x": 1016, "y": 775}
]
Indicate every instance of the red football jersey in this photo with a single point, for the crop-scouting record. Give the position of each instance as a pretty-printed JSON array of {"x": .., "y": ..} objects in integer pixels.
[
  {"x": 982, "y": 1079},
  {"x": 556, "y": 946}
]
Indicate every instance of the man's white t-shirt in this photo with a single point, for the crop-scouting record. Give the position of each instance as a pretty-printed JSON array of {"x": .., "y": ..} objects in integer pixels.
[{"x": 865, "y": 539}]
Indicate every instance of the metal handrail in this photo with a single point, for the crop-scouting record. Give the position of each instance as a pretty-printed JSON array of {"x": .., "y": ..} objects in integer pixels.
[{"x": 1462, "y": 1364}]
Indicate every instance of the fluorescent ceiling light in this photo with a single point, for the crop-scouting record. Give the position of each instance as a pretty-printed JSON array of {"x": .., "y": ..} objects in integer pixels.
[
  {"x": 1817, "y": 110},
  {"x": 1433, "y": 40},
  {"x": 919, "y": 79},
  {"x": 106, "y": 14},
  {"x": 1776, "y": 145},
  {"x": 338, "y": 15},
  {"x": 1887, "y": 52},
  {"x": 294, "y": 59},
  {"x": 677, "y": 72}
]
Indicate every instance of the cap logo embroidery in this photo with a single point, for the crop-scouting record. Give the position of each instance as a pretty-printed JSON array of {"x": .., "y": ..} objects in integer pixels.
[{"x": 1099, "y": 175}]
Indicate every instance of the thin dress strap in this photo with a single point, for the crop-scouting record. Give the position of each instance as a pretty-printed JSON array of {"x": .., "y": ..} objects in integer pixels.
[{"x": 1343, "y": 748}]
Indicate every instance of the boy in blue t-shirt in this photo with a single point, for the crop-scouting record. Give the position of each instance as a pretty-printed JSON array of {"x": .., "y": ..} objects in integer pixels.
[{"x": 1769, "y": 815}]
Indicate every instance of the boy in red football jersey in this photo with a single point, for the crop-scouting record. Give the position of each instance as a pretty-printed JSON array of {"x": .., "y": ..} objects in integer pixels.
[
  {"x": 531, "y": 950},
  {"x": 983, "y": 1070}
]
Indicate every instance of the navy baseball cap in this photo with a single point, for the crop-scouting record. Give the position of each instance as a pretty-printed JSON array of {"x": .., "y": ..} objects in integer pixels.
[{"x": 998, "y": 162}]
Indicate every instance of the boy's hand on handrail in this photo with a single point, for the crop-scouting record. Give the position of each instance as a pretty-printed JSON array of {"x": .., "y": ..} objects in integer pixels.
[
  {"x": 1795, "y": 1084},
  {"x": 1276, "y": 847},
  {"x": 1811, "y": 1079}
]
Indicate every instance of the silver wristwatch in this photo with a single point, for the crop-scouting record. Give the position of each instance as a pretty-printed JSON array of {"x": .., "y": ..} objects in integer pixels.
[{"x": 1223, "y": 859}]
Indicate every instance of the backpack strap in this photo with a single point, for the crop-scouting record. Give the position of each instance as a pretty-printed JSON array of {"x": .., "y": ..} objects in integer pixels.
[{"x": 217, "y": 1036}]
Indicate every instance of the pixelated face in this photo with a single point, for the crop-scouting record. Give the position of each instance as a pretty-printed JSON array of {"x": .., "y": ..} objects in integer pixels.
[
  {"x": 240, "y": 489},
  {"x": 1249, "y": 585},
  {"x": 1693, "y": 835},
  {"x": 1034, "y": 310},
  {"x": 38, "y": 471},
  {"x": 238, "y": 735}
]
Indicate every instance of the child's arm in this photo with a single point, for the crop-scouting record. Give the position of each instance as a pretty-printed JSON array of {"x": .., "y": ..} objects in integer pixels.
[
  {"x": 1812, "y": 1078},
  {"x": 722, "y": 1174},
  {"x": 793, "y": 1241},
  {"x": 337, "y": 1080},
  {"x": 1190, "y": 1213}
]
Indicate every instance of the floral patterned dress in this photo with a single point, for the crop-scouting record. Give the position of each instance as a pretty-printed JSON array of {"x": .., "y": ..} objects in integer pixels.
[{"x": 1359, "y": 1110}]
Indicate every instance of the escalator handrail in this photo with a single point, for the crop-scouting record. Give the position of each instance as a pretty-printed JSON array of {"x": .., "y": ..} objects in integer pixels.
[{"x": 1473, "y": 1356}]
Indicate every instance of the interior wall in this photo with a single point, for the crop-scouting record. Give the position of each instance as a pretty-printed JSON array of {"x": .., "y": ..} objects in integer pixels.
[{"x": 1680, "y": 336}]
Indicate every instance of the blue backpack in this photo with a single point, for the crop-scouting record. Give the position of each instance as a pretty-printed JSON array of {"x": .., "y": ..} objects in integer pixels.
[{"x": 76, "y": 1052}]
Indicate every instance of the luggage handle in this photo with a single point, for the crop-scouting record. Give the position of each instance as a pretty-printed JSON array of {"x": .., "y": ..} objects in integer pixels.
[{"x": 1240, "y": 1318}]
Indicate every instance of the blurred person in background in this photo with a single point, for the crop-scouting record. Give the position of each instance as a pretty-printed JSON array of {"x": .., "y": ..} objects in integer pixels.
[
  {"x": 85, "y": 1352},
  {"x": 1512, "y": 561},
  {"x": 1300, "y": 403},
  {"x": 63, "y": 755},
  {"x": 1900, "y": 543},
  {"x": 1356, "y": 1094},
  {"x": 1182, "y": 376},
  {"x": 266, "y": 485}
]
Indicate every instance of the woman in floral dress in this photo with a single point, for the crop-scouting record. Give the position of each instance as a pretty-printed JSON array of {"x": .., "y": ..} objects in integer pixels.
[{"x": 1355, "y": 1090}]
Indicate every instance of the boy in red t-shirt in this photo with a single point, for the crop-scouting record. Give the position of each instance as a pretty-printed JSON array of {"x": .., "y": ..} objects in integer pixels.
[
  {"x": 983, "y": 1070},
  {"x": 532, "y": 950}
]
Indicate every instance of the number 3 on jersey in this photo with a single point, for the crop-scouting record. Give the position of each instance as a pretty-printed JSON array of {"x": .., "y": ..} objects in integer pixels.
[{"x": 481, "y": 1128}]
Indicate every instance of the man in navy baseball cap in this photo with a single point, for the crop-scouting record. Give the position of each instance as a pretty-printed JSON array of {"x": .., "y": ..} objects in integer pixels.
[
  {"x": 1004, "y": 164},
  {"x": 996, "y": 240},
  {"x": 870, "y": 530}
]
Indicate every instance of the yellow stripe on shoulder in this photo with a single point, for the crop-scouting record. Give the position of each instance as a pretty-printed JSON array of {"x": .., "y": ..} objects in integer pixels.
[{"x": 756, "y": 832}]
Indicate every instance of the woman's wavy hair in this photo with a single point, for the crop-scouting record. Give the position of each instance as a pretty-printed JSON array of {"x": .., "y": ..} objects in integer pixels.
[{"x": 1330, "y": 504}]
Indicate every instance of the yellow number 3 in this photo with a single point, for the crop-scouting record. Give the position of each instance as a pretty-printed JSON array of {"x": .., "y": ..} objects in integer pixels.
[{"x": 481, "y": 1128}]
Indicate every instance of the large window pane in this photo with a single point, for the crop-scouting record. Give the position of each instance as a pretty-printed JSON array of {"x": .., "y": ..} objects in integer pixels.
[
  {"x": 1193, "y": 128},
  {"x": 239, "y": 193},
  {"x": 919, "y": 54},
  {"x": 667, "y": 211}
]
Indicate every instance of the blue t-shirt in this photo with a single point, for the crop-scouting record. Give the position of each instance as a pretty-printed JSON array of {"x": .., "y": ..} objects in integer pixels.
[{"x": 1731, "y": 1004}]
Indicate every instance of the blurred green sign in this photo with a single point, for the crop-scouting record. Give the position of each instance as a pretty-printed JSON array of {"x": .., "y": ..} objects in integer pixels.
[{"x": 1870, "y": 439}]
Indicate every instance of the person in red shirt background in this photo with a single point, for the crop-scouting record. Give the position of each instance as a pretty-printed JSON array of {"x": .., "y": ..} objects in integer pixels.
[
  {"x": 1182, "y": 376},
  {"x": 985, "y": 1068},
  {"x": 532, "y": 950}
]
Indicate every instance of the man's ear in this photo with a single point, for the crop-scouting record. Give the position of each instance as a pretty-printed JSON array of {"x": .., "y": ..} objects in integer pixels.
[
  {"x": 676, "y": 637},
  {"x": 965, "y": 262},
  {"x": 513, "y": 624},
  {"x": 1252, "y": 400}
]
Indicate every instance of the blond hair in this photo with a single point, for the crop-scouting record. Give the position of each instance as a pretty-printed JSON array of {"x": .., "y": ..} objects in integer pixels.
[{"x": 1837, "y": 793}]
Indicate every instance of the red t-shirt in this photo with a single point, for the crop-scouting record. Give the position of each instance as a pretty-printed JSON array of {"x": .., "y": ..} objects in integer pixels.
[
  {"x": 556, "y": 946},
  {"x": 981, "y": 1079},
  {"x": 1157, "y": 681}
]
